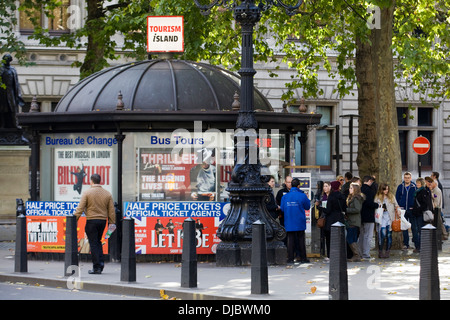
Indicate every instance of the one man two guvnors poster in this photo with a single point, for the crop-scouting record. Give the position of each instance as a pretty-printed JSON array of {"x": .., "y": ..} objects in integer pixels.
[
  {"x": 159, "y": 225},
  {"x": 46, "y": 227},
  {"x": 74, "y": 167}
]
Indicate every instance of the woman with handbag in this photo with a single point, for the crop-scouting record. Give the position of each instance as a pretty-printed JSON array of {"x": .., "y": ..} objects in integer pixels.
[
  {"x": 355, "y": 200},
  {"x": 422, "y": 202},
  {"x": 386, "y": 199}
]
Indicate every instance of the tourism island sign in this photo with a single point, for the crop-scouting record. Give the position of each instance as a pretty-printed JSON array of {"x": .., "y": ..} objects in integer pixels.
[{"x": 165, "y": 34}]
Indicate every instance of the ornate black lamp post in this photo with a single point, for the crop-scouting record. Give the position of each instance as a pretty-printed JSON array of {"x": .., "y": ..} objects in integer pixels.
[{"x": 248, "y": 188}]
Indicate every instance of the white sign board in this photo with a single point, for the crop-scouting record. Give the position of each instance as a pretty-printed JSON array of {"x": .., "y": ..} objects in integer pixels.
[
  {"x": 305, "y": 186},
  {"x": 165, "y": 34}
]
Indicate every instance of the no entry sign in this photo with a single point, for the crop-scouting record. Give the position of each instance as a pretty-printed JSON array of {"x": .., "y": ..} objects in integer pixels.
[
  {"x": 165, "y": 34},
  {"x": 421, "y": 145}
]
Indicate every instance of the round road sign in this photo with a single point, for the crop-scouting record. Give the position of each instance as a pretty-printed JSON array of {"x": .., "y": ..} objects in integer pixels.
[{"x": 421, "y": 145}]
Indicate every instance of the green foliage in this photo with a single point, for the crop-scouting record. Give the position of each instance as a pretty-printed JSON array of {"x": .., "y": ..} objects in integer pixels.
[{"x": 322, "y": 35}]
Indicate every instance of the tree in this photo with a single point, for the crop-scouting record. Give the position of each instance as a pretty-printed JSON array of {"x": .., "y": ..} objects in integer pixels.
[{"x": 411, "y": 46}]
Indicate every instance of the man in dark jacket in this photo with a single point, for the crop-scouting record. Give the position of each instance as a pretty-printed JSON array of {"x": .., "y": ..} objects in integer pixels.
[
  {"x": 405, "y": 199},
  {"x": 367, "y": 217}
]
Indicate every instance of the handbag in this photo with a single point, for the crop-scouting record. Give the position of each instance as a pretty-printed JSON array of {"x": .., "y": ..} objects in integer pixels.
[
  {"x": 405, "y": 224},
  {"x": 397, "y": 225},
  {"x": 378, "y": 214},
  {"x": 428, "y": 216},
  {"x": 321, "y": 222}
]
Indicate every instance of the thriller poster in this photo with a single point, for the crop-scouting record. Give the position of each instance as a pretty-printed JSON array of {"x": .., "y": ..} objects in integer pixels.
[
  {"x": 163, "y": 175},
  {"x": 74, "y": 167}
]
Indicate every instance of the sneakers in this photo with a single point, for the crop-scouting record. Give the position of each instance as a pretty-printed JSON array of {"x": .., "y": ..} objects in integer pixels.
[{"x": 95, "y": 271}]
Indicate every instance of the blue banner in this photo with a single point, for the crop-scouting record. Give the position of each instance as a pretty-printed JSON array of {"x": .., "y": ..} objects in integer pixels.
[{"x": 50, "y": 208}]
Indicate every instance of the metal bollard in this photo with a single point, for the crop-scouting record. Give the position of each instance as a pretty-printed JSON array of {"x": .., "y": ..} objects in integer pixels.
[
  {"x": 20, "y": 256},
  {"x": 189, "y": 255},
  {"x": 338, "y": 279},
  {"x": 429, "y": 270},
  {"x": 71, "y": 247},
  {"x": 438, "y": 225},
  {"x": 114, "y": 241},
  {"x": 259, "y": 277},
  {"x": 128, "y": 261}
]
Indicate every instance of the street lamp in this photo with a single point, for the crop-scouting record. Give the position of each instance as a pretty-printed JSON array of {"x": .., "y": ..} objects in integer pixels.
[{"x": 248, "y": 188}]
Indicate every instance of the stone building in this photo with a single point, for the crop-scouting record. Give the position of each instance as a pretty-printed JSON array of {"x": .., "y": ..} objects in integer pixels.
[{"x": 51, "y": 76}]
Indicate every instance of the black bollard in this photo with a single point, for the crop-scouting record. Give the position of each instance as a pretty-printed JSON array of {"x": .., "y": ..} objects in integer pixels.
[
  {"x": 338, "y": 279},
  {"x": 20, "y": 256},
  {"x": 429, "y": 270},
  {"x": 128, "y": 261},
  {"x": 438, "y": 225},
  {"x": 189, "y": 255},
  {"x": 71, "y": 248},
  {"x": 259, "y": 278}
]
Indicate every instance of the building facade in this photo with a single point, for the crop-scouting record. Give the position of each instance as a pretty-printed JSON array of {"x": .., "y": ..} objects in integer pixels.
[{"x": 331, "y": 148}]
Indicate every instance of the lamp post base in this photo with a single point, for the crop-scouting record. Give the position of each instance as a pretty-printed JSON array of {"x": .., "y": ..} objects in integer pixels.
[{"x": 233, "y": 254}]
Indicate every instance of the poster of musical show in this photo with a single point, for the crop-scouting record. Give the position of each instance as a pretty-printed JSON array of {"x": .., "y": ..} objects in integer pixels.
[
  {"x": 46, "y": 227},
  {"x": 159, "y": 225},
  {"x": 164, "y": 175},
  {"x": 74, "y": 167}
]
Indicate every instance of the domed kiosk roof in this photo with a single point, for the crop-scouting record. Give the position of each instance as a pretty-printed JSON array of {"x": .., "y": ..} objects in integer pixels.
[
  {"x": 157, "y": 95},
  {"x": 158, "y": 85}
]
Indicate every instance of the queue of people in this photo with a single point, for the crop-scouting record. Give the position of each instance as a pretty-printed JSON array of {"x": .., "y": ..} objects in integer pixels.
[
  {"x": 355, "y": 202},
  {"x": 410, "y": 201}
]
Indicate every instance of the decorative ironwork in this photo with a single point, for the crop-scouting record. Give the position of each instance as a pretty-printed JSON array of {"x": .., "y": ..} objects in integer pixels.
[
  {"x": 262, "y": 5},
  {"x": 248, "y": 187}
]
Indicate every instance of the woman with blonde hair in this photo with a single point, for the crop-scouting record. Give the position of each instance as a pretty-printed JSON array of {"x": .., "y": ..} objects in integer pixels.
[
  {"x": 355, "y": 200},
  {"x": 386, "y": 199}
]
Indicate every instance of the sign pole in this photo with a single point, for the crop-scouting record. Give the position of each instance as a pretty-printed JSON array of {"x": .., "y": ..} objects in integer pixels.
[
  {"x": 419, "y": 165},
  {"x": 421, "y": 146}
]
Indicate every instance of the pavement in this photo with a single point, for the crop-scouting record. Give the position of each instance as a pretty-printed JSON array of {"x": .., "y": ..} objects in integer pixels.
[{"x": 396, "y": 278}]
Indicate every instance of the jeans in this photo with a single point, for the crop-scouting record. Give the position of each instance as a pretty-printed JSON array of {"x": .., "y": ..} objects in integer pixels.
[
  {"x": 365, "y": 238},
  {"x": 94, "y": 231},
  {"x": 385, "y": 233},
  {"x": 352, "y": 234},
  {"x": 299, "y": 238},
  {"x": 406, "y": 232},
  {"x": 416, "y": 226}
]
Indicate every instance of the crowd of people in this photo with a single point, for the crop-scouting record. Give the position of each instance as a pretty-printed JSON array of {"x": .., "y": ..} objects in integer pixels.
[{"x": 364, "y": 207}]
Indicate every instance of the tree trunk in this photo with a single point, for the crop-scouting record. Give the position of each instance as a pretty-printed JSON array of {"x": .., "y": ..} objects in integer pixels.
[
  {"x": 367, "y": 159},
  {"x": 95, "y": 51},
  {"x": 378, "y": 140},
  {"x": 390, "y": 166}
]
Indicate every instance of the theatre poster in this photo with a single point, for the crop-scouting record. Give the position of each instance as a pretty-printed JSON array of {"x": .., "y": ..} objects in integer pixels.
[{"x": 74, "y": 167}]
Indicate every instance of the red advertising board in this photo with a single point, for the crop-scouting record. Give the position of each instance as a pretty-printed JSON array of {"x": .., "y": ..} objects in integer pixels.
[
  {"x": 159, "y": 225},
  {"x": 46, "y": 227}
]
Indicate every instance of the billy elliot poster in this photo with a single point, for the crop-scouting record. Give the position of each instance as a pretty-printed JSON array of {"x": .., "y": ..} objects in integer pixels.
[{"x": 74, "y": 167}]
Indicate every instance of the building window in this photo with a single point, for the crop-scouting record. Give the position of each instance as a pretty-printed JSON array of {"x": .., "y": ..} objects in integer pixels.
[
  {"x": 411, "y": 126},
  {"x": 427, "y": 159},
  {"x": 323, "y": 138},
  {"x": 56, "y": 22},
  {"x": 403, "y": 138},
  {"x": 424, "y": 117}
]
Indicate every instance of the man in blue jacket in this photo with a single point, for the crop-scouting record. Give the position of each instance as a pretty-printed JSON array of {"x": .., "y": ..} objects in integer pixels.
[
  {"x": 405, "y": 200},
  {"x": 294, "y": 204}
]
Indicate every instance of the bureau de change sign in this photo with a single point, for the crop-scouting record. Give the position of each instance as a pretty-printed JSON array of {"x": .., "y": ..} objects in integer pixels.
[{"x": 165, "y": 34}]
